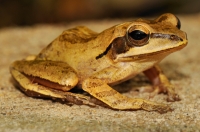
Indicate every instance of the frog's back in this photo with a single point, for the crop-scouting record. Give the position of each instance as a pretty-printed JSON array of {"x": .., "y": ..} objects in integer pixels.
[{"x": 67, "y": 43}]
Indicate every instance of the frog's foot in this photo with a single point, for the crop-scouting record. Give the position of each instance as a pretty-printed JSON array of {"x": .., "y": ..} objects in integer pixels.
[
  {"x": 115, "y": 100},
  {"x": 151, "y": 106},
  {"x": 169, "y": 89},
  {"x": 161, "y": 84}
]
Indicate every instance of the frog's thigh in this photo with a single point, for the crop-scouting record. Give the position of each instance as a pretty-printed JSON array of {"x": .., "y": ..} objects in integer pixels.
[
  {"x": 56, "y": 75},
  {"x": 109, "y": 96},
  {"x": 161, "y": 83},
  {"x": 32, "y": 89},
  {"x": 35, "y": 90}
]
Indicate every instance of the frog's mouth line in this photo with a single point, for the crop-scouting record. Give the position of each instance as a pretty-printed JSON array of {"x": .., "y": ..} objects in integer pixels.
[{"x": 148, "y": 55}]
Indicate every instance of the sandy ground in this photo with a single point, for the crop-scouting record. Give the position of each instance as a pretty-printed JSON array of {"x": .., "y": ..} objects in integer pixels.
[{"x": 21, "y": 113}]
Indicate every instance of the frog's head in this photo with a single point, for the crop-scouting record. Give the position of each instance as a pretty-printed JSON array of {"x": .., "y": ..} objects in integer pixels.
[{"x": 144, "y": 39}]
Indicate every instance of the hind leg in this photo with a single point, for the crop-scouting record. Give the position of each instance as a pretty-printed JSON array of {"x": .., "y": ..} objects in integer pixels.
[
  {"x": 39, "y": 91},
  {"x": 47, "y": 79}
]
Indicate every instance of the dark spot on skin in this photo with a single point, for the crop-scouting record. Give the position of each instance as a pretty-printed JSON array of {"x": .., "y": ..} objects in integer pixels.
[
  {"x": 152, "y": 22},
  {"x": 58, "y": 53},
  {"x": 73, "y": 38},
  {"x": 104, "y": 53},
  {"x": 40, "y": 55},
  {"x": 163, "y": 18},
  {"x": 119, "y": 45},
  {"x": 77, "y": 35},
  {"x": 117, "y": 102},
  {"x": 106, "y": 93},
  {"x": 174, "y": 20}
]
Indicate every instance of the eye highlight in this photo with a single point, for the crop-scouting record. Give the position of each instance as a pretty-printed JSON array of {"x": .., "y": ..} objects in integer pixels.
[{"x": 138, "y": 35}]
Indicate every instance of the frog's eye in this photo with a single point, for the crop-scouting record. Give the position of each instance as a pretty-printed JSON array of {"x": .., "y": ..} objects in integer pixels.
[{"x": 137, "y": 36}]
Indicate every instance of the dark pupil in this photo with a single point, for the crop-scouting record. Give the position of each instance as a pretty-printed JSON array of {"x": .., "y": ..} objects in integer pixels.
[{"x": 137, "y": 35}]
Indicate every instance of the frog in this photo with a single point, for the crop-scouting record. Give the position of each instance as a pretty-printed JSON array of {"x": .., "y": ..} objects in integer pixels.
[{"x": 81, "y": 58}]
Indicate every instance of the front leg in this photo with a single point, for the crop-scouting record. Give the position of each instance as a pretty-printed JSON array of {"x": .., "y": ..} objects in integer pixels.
[
  {"x": 100, "y": 90},
  {"x": 161, "y": 84}
]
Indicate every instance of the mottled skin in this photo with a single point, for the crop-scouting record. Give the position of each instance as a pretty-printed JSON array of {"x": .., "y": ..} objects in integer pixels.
[{"x": 96, "y": 61}]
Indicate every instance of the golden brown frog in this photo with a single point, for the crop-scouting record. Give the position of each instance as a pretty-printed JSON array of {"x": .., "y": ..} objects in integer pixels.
[{"x": 96, "y": 61}]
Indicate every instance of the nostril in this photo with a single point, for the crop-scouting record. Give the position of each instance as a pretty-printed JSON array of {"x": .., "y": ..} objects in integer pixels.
[
  {"x": 175, "y": 38},
  {"x": 172, "y": 37}
]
